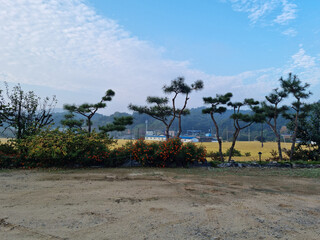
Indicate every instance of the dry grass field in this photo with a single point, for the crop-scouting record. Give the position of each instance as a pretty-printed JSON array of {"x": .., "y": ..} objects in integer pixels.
[
  {"x": 3, "y": 140},
  {"x": 253, "y": 147}
]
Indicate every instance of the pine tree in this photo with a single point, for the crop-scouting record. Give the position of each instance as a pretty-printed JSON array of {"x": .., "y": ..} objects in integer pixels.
[
  {"x": 88, "y": 110},
  {"x": 272, "y": 111},
  {"x": 241, "y": 120},
  {"x": 178, "y": 86},
  {"x": 217, "y": 108},
  {"x": 293, "y": 86},
  {"x": 160, "y": 108}
]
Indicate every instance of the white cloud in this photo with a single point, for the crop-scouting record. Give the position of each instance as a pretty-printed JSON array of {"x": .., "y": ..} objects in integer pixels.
[
  {"x": 288, "y": 13},
  {"x": 291, "y": 32},
  {"x": 259, "y": 10},
  {"x": 302, "y": 60},
  {"x": 66, "y": 46}
]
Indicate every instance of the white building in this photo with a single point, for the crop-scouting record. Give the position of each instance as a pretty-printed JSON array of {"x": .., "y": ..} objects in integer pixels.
[{"x": 163, "y": 138}]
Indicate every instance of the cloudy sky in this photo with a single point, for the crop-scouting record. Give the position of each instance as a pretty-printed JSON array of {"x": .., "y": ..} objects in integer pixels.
[{"x": 77, "y": 49}]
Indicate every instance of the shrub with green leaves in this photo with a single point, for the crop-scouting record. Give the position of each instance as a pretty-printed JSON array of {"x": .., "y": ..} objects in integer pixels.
[
  {"x": 235, "y": 153},
  {"x": 64, "y": 148},
  {"x": 9, "y": 156},
  {"x": 304, "y": 153},
  {"x": 169, "y": 153}
]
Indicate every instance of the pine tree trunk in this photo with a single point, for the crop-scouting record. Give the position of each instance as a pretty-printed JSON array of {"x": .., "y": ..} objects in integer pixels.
[
  {"x": 89, "y": 126},
  {"x": 279, "y": 146},
  {"x": 235, "y": 136},
  {"x": 294, "y": 136},
  {"x": 167, "y": 133},
  {"x": 180, "y": 128},
  {"x": 218, "y": 137}
]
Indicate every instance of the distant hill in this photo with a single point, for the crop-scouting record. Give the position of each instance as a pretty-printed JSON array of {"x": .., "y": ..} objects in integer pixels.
[{"x": 195, "y": 121}]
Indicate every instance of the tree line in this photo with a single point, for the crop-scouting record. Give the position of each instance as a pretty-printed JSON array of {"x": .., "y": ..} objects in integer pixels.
[
  {"x": 268, "y": 111},
  {"x": 25, "y": 114}
]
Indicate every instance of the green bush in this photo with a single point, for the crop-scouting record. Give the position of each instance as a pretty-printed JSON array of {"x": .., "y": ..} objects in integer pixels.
[
  {"x": 215, "y": 156},
  {"x": 170, "y": 153},
  {"x": 236, "y": 153},
  {"x": 64, "y": 148},
  {"x": 144, "y": 153},
  {"x": 191, "y": 153},
  {"x": 9, "y": 156},
  {"x": 304, "y": 153},
  {"x": 54, "y": 148}
]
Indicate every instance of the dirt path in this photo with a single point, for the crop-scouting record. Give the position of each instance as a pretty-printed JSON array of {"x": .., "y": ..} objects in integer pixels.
[{"x": 155, "y": 204}]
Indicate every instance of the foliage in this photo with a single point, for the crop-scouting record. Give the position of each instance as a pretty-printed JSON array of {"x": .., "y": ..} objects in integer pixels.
[
  {"x": 8, "y": 155},
  {"x": 72, "y": 123},
  {"x": 119, "y": 124},
  {"x": 25, "y": 113},
  {"x": 191, "y": 153},
  {"x": 60, "y": 149},
  {"x": 235, "y": 153},
  {"x": 293, "y": 85},
  {"x": 88, "y": 110},
  {"x": 241, "y": 120},
  {"x": 217, "y": 106},
  {"x": 215, "y": 156},
  {"x": 304, "y": 153},
  {"x": 160, "y": 109},
  {"x": 274, "y": 156},
  {"x": 247, "y": 154},
  {"x": 178, "y": 86},
  {"x": 309, "y": 127},
  {"x": 144, "y": 153},
  {"x": 272, "y": 111},
  {"x": 168, "y": 153}
]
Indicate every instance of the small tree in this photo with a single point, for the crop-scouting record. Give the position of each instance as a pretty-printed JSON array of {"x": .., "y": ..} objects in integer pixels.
[
  {"x": 119, "y": 124},
  {"x": 309, "y": 129},
  {"x": 72, "y": 123},
  {"x": 3, "y": 109},
  {"x": 178, "y": 86},
  {"x": 25, "y": 113},
  {"x": 241, "y": 120},
  {"x": 273, "y": 111},
  {"x": 217, "y": 108},
  {"x": 294, "y": 86},
  {"x": 162, "y": 111},
  {"x": 158, "y": 110},
  {"x": 88, "y": 110}
]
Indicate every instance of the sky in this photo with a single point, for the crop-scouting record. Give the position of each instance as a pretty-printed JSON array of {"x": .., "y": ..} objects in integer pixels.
[{"x": 78, "y": 49}]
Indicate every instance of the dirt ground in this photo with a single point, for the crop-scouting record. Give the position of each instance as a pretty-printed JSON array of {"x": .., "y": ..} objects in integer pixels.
[{"x": 157, "y": 204}]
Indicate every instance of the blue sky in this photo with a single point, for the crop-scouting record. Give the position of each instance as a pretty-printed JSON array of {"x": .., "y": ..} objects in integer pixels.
[
  {"x": 77, "y": 49},
  {"x": 214, "y": 37}
]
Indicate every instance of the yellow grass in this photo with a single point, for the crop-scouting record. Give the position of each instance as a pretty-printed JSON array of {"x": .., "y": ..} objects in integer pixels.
[
  {"x": 3, "y": 140},
  {"x": 253, "y": 147}
]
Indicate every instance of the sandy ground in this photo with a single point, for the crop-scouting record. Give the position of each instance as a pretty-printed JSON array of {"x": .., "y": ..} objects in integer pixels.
[{"x": 156, "y": 204}]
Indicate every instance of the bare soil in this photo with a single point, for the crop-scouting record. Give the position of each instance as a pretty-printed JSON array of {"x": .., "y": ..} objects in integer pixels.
[{"x": 157, "y": 204}]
